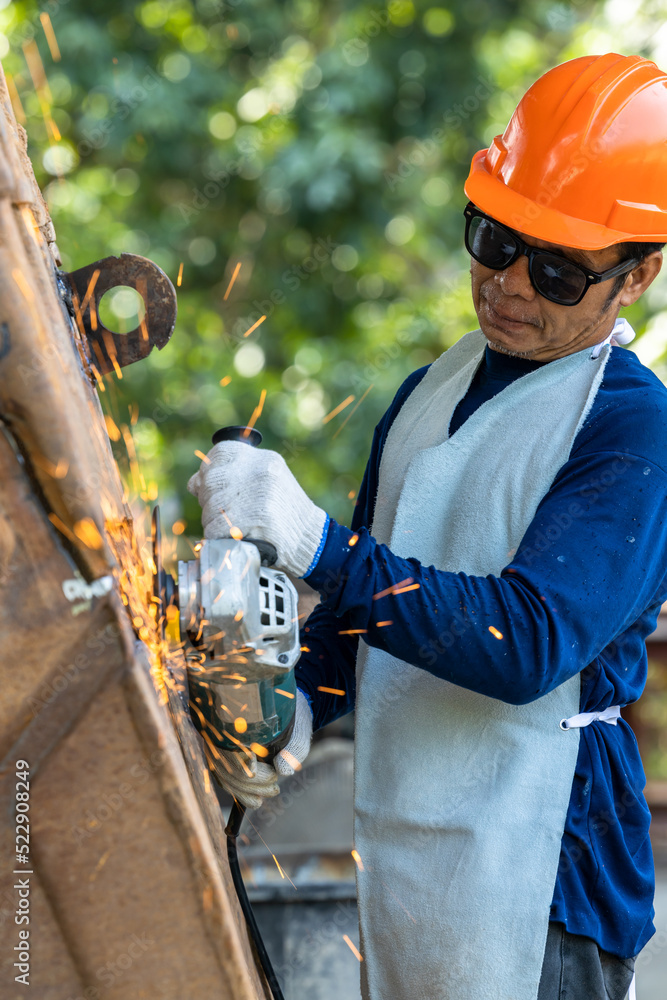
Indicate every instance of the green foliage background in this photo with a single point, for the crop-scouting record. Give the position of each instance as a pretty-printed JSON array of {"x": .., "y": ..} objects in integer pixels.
[{"x": 322, "y": 144}]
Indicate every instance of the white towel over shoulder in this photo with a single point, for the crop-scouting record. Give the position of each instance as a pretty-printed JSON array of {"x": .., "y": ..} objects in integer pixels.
[{"x": 460, "y": 799}]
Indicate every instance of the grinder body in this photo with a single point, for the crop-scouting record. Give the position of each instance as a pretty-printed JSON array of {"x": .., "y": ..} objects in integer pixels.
[{"x": 239, "y": 621}]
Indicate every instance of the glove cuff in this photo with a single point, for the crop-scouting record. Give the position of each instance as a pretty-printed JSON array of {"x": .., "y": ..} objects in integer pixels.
[
  {"x": 320, "y": 547},
  {"x": 310, "y": 542}
]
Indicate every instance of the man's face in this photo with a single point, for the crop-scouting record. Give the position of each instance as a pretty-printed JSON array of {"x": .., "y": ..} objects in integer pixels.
[{"x": 516, "y": 319}]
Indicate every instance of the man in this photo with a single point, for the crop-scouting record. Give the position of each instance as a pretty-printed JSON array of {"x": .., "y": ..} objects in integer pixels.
[{"x": 506, "y": 562}]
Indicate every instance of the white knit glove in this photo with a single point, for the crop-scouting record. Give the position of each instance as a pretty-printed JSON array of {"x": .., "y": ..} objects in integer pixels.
[
  {"x": 250, "y": 780},
  {"x": 292, "y": 756},
  {"x": 244, "y": 777},
  {"x": 252, "y": 490}
]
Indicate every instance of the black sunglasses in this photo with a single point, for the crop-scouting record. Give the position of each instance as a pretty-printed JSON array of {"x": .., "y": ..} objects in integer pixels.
[{"x": 556, "y": 278}]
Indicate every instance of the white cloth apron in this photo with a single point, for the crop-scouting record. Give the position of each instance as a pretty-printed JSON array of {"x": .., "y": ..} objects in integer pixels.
[{"x": 461, "y": 799}]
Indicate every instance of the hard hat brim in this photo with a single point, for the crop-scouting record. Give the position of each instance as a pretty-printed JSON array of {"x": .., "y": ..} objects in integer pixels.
[{"x": 493, "y": 197}]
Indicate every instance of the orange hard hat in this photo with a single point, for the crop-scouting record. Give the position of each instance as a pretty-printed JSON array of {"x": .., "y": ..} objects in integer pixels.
[{"x": 583, "y": 161}]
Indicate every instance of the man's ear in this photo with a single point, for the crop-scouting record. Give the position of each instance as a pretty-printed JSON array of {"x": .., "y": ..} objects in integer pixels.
[{"x": 640, "y": 278}]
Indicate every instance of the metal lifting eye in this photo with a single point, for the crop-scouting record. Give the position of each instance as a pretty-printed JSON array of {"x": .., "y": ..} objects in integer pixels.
[{"x": 82, "y": 291}]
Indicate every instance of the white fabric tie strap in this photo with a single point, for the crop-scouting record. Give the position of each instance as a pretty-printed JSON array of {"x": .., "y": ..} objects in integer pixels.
[
  {"x": 621, "y": 334},
  {"x": 632, "y": 995},
  {"x": 610, "y": 715}
]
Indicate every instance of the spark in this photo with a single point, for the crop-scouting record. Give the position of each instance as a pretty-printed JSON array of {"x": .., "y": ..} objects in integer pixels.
[
  {"x": 100, "y": 864},
  {"x": 358, "y": 861},
  {"x": 353, "y": 539},
  {"x": 226, "y": 380},
  {"x": 351, "y": 495},
  {"x": 15, "y": 99},
  {"x": 206, "y": 724},
  {"x": 30, "y": 222},
  {"x": 50, "y": 36},
  {"x": 79, "y": 318},
  {"x": 204, "y": 458},
  {"x": 36, "y": 68},
  {"x": 380, "y": 624},
  {"x": 143, "y": 325},
  {"x": 233, "y": 279},
  {"x": 304, "y": 649},
  {"x": 287, "y": 694},
  {"x": 207, "y": 783},
  {"x": 116, "y": 366},
  {"x": 25, "y": 288},
  {"x": 240, "y": 725},
  {"x": 327, "y": 690},
  {"x": 86, "y": 530},
  {"x": 179, "y": 279},
  {"x": 100, "y": 381},
  {"x": 337, "y": 409},
  {"x": 259, "y": 750},
  {"x": 178, "y": 527},
  {"x": 256, "y": 413},
  {"x": 353, "y": 631},
  {"x": 353, "y": 948},
  {"x": 254, "y": 326},
  {"x": 239, "y": 615},
  {"x": 291, "y": 759},
  {"x": 58, "y": 471},
  {"x": 55, "y": 520},
  {"x": 54, "y": 128},
  {"x": 353, "y": 411},
  {"x": 90, "y": 289},
  {"x": 283, "y": 874},
  {"x": 397, "y": 588},
  {"x": 494, "y": 631}
]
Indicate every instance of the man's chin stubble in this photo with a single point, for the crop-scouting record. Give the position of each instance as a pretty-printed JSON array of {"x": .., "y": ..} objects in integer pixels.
[{"x": 513, "y": 354}]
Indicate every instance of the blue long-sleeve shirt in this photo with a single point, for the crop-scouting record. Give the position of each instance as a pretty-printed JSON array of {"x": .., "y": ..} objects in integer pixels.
[{"x": 580, "y": 595}]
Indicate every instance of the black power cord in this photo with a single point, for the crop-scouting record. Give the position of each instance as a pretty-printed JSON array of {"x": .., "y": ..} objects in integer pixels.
[{"x": 232, "y": 830}]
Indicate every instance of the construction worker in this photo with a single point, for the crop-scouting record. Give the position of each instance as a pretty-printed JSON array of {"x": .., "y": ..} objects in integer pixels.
[{"x": 506, "y": 561}]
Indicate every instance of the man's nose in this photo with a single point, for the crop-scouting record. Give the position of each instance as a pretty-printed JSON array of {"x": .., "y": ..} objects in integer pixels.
[{"x": 515, "y": 279}]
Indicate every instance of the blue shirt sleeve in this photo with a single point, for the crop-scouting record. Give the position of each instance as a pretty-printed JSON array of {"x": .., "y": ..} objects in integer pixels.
[{"x": 589, "y": 566}]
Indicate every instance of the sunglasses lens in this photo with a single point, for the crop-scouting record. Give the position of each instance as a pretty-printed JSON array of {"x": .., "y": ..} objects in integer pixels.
[
  {"x": 553, "y": 277},
  {"x": 557, "y": 280},
  {"x": 490, "y": 244}
]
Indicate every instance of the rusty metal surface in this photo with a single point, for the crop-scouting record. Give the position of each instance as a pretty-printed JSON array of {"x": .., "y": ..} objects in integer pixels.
[
  {"x": 86, "y": 286},
  {"x": 78, "y": 699}
]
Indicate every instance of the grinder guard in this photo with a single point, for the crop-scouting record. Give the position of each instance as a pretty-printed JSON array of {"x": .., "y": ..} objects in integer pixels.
[{"x": 239, "y": 620}]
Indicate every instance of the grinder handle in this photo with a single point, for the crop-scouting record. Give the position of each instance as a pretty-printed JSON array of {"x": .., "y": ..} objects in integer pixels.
[
  {"x": 246, "y": 435},
  {"x": 251, "y": 436}
]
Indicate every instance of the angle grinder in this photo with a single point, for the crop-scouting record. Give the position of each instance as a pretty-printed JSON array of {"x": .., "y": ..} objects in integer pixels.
[{"x": 238, "y": 622}]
